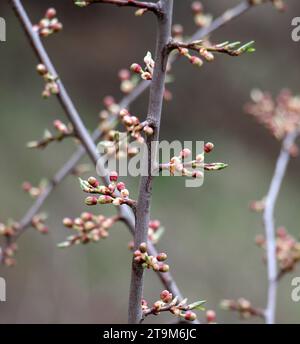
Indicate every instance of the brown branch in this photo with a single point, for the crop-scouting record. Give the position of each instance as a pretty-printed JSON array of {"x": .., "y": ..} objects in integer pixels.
[{"x": 154, "y": 117}]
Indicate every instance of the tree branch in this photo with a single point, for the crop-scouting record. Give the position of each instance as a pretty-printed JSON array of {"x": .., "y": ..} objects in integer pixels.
[
  {"x": 144, "y": 199},
  {"x": 270, "y": 202},
  {"x": 25, "y": 222},
  {"x": 125, "y": 212},
  {"x": 149, "y": 6}
]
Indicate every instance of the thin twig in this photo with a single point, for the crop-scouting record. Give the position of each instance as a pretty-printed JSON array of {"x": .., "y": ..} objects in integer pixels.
[
  {"x": 149, "y": 6},
  {"x": 270, "y": 202}
]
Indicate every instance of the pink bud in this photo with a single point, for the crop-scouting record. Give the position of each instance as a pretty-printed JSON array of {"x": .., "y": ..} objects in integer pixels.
[
  {"x": 93, "y": 182},
  {"x": 154, "y": 224},
  {"x": 196, "y": 61},
  {"x": 208, "y": 147},
  {"x": 113, "y": 177},
  {"x": 91, "y": 200},
  {"x": 197, "y": 7},
  {"x": 136, "y": 68},
  {"x": 185, "y": 153},
  {"x": 166, "y": 296},
  {"x": 124, "y": 74},
  {"x": 210, "y": 316},
  {"x": 67, "y": 222},
  {"x": 121, "y": 186},
  {"x": 162, "y": 257},
  {"x": 51, "y": 13},
  {"x": 86, "y": 216},
  {"x": 108, "y": 101},
  {"x": 190, "y": 316}
]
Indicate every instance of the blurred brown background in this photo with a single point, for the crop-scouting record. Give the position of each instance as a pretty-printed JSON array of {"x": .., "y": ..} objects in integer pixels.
[{"x": 210, "y": 231}]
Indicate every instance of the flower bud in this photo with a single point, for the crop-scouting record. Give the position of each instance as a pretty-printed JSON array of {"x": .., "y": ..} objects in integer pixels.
[
  {"x": 185, "y": 153},
  {"x": 197, "y": 7},
  {"x": 105, "y": 199},
  {"x": 148, "y": 130},
  {"x": 210, "y": 316},
  {"x": 208, "y": 147},
  {"x": 166, "y": 296},
  {"x": 162, "y": 257},
  {"x": 41, "y": 69},
  {"x": 154, "y": 224},
  {"x": 164, "y": 268},
  {"x": 124, "y": 193},
  {"x": 136, "y": 68},
  {"x": 121, "y": 186},
  {"x": 143, "y": 247},
  {"x": 92, "y": 200},
  {"x": 67, "y": 222},
  {"x": 108, "y": 101},
  {"x": 51, "y": 13},
  {"x": 124, "y": 74},
  {"x": 86, "y": 216},
  {"x": 93, "y": 182},
  {"x": 124, "y": 112},
  {"x": 113, "y": 177},
  {"x": 190, "y": 316},
  {"x": 196, "y": 61}
]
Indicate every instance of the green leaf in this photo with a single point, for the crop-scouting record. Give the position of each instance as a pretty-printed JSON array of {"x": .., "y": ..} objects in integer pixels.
[{"x": 198, "y": 305}]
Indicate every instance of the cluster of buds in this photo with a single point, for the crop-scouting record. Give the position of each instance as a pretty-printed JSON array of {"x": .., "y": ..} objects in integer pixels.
[
  {"x": 147, "y": 72},
  {"x": 35, "y": 191},
  {"x": 168, "y": 303},
  {"x": 134, "y": 127},
  {"x": 155, "y": 232},
  {"x": 243, "y": 307},
  {"x": 128, "y": 81},
  {"x": 279, "y": 4},
  {"x": 142, "y": 257},
  {"x": 9, "y": 230},
  {"x": 51, "y": 86},
  {"x": 206, "y": 50},
  {"x": 287, "y": 250},
  {"x": 116, "y": 143},
  {"x": 7, "y": 255},
  {"x": 89, "y": 228},
  {"x": 38, "y": 222},
  {"x": 63, "y": 131},
  {"x": 115, "y": 193},
  {"x": 181, "y": 165},
  {"x": 280, "y": 116},
  {"x": 201, "y": 19},
  {"x": 49, "y": 24}
]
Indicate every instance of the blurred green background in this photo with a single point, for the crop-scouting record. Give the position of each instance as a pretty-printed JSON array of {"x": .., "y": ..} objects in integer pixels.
[{"x": 209, "y": 231}]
